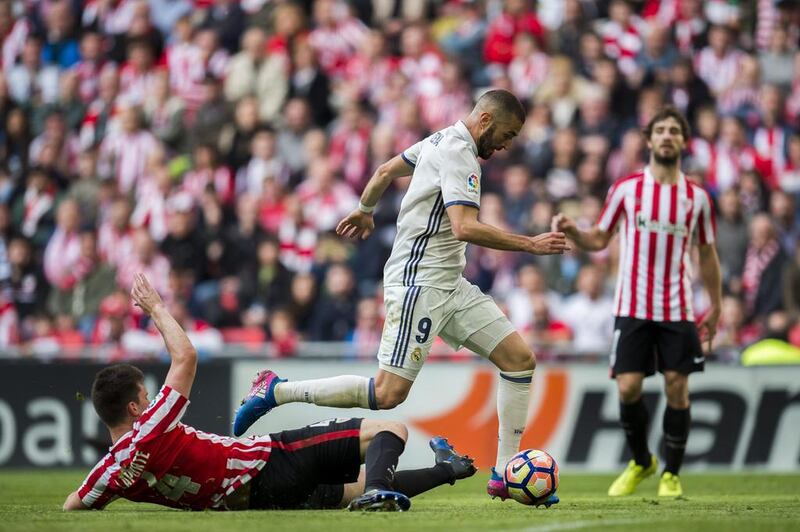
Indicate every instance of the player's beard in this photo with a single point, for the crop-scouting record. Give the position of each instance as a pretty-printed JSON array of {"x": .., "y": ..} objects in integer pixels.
[
  {"x": 667, "y": 160},
  {"x": 485, "y": 148}
]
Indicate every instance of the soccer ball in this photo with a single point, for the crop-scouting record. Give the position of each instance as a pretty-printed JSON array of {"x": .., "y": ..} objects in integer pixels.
[{"x": 531, "y": 476}]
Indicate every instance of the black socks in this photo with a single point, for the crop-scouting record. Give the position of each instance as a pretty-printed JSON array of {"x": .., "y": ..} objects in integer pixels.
[
  {"x": 416, "y": 481},
  {"x": 634, "y": 418},
  {"x": 381, "y": 459},
  {"x": 676, "y": 432}
]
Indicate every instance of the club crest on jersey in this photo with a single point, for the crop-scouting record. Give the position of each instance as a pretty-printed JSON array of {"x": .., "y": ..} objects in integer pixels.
[
  {"x": 416, "y": 354},
  {"x": 473, "y": 184}
]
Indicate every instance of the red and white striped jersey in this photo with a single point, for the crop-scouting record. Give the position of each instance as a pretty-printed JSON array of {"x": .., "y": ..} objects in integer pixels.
[
  {"x": 719, "y": 73},
  {"x": 658, "y": 222},
  {"x": 126, "y": 155},
  {"x": 163, "y": 461}
]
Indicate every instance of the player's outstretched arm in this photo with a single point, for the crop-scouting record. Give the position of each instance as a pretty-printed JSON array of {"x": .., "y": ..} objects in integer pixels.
[
  {"x": 73, "y": 502},
  {"x": 181, "y": 351},
  {"x": 359, "y": 223},
  {"x": 467, "y": 228},
  {"x": 712, "y": 280},
  {"x": 594, "y": 239}
]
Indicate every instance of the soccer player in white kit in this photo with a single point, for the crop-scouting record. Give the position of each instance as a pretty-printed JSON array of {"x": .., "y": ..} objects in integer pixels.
[{"x": 425, "y": 293}]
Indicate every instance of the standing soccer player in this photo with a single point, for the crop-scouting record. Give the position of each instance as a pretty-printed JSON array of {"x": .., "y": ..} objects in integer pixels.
[
  {"x": 660, "y": 212},
  {"x": 424, "y": 291}
]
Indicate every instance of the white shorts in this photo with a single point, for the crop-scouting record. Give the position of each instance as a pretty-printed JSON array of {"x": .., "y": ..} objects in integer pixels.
[{"x": 416, "y": 315}]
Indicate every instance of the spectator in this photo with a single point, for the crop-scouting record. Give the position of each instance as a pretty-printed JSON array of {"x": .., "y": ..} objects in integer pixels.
[
  {"x": 254, "y": 72},
  {"x": 27, "y": 286},
  {"x": 124, "y": 154},
  {"x": 184, "y": 245},
  {"x": 283, "y": 334},
  {"x": 777, "y": 62},
  {"x": 790, "y": 286},
  {"x": 115, "y": 237},
  {"x": 687, "y": 92},
  {"x": 265, "y": 163},
  {"x": 763, "y": 265},
  {"x": 227, "y": 20},
  {"x": 530, "y": 286},
  {"x": 718, "y": 63},
  {"x": 324, "y": 200},
  {"x": 301, "y": 306},
  {"x": 366, "y": 336},
  {"x": 30, "y": 82},
  {"x": 148, "y": 260},
  {"x": 656, "y": 57},
  {"x": 267, "y": 283},
  {"x": 732, "y": 238},
  {"x": 165, "y": 113},
  {"x": 621, "y": 35},
  {"x": 589, "y": 313},
  {"x": 336, "y": 36},
  {"x": 334, "y": 315},
  {"x": 782, "y": 209},
  {"x": 297, "y": 122},
  {"x": 517, "y": 196},
  {"x": 32, "y": 210},
  {"x": 81, "y": 302},
  {"x": 208, "y": 173},
  {"x": 212, "y": 113},
  {"x": 62, "y": 265},
  {"x": 308, "y": 81},
  {"x": 517, "y": 17},
  {"x": 60, "y": 45},
  {"x": 235, "y": 140}
]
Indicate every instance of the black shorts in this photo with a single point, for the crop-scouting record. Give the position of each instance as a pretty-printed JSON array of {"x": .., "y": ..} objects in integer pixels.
[
  {"x": 643, "y": 346},
  {"x": 308, "y": 467}
]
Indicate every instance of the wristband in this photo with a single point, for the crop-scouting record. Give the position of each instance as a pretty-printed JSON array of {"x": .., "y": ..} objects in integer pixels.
[{"x": 366, "y": 210}]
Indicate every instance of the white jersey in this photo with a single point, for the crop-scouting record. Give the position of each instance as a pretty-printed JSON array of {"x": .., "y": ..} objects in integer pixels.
[{"x": 446, "y": 172}]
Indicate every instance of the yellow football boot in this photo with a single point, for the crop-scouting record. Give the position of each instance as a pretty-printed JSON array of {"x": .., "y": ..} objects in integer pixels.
[
  {"x": 626, "y": 483},
  {"x": 670, "y": 485}
]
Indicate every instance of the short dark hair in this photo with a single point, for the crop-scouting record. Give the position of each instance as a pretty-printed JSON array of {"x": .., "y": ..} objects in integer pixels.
[
  {"x": 668, "y": 112},
  {"x": 505, "y": 102},
  {"x": 113, "y": 388}
]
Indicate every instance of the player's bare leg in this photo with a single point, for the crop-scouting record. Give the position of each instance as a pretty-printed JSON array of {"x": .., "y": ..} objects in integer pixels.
[
  {"x": 634, "y": 418},
  {"x": 677, "y": 418}
]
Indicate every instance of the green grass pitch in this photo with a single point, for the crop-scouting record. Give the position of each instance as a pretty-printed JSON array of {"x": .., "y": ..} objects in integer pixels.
[{"x": 31, "y": 500}]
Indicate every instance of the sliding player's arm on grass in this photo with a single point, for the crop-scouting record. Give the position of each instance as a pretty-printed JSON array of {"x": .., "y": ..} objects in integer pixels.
[
  {"x": 467, "y": 228},
  {"x": 360, "y": 223}
]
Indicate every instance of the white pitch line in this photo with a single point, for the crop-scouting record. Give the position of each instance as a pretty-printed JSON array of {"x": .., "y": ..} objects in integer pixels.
[{"x": 577, "y": 525}]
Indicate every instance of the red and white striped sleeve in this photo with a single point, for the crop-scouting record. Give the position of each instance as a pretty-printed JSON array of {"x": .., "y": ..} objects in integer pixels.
[
  {"x": 161, "y": 416},
  {"x": 97, "y": 491},
  {"x": 706, "y": 220},
  {"x": 613, "y": 209}
]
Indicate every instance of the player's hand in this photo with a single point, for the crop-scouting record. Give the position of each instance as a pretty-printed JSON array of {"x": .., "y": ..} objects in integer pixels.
[
  {"x": 357, "y": 225},
  {"x": 554, "y": 243},
  {"x": 144, "y": 295},
  {"x": 708, "y": 326},
  {"x": 563, "y": 223}
]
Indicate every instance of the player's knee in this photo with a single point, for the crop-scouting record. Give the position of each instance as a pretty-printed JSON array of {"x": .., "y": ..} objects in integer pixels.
[
  {"x": 388, "y": 398},
  {"x": 520, "y": 360},
  {"x": 398, "y": 429},
  {"x": 371, "y": 427},
  {"x": 677, "y": 391},
  {"x": 629, "y": 391}
]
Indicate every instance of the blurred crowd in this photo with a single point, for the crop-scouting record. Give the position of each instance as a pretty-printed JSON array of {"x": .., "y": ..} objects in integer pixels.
[{"x": 215, "y": 144}]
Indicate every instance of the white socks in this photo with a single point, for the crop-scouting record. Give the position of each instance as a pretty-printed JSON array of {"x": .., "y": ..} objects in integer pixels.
[
  {"x": 344, "y": 391},
  {"x": 513, "y": 394}
]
